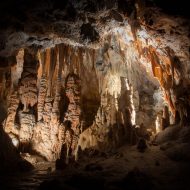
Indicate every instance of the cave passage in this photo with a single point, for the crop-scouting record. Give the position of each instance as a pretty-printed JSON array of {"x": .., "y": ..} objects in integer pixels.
[{"x": 94, "y": 94}]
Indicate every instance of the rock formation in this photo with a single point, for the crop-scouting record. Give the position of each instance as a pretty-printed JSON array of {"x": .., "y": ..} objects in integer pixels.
[
  {"x": 27, "y": 85},
  {"x": 72, "y": 116},
  {"x": 9, "y": 124},
  {"x": 96, "y": 77},
  {"x": 41, "y": 96},
  {"x": 27, "y": 124}
]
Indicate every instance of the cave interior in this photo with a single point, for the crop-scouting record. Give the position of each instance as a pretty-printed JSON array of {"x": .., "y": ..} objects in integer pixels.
[{"x": 95, "y": 94}]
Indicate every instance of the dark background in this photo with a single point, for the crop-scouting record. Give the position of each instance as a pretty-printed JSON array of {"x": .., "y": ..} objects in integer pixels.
[{"x": 174, "y": 7}]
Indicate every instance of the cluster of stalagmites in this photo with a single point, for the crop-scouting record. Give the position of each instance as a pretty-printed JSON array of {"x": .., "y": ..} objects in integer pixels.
[
  {"x": 50, "y": 134},
  {"x": 33, "y": 120},
  {"x": 35, "y": 123},
  {"x": 20, "y": 120},
  {"x": 72, "y": 116},
  {"x": 108, "y": 130}
]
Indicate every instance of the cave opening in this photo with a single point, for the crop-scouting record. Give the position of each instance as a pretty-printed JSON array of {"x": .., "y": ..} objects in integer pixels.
[{"x": 94, "y": 95}]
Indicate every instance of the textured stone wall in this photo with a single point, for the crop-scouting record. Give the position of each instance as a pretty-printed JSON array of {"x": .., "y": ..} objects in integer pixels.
[{"x": 69, "y": 97}]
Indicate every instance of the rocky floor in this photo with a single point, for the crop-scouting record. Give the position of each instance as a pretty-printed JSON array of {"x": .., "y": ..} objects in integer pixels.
[{"x": 125, "y": 168}]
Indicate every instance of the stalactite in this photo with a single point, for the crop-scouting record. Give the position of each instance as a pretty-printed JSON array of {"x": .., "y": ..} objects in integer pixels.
[
  {"x": 51, "y": 70},
  {"x": 66, "y": 55},
  {"x": 156, "y": 68},
  {"x": 73, "y": 61},
  {"x": 57, "y": 96},
  {"x": 62, "y": 51},
  {"x": 69, "y": 59},
  {"x": 40, "y": 71},
  {"x": 47, "y": 61},
  {"x": 42, "y": 143},
  {"x": 162, "y": 77},
  {"x": 42, "y": 57},
  {"x": 93, "y": 59},
  {"x": 171, "y": 63},
  {"x": 50, "y": 133},
  {"x": 168, "y": 80},
  {"x": 20, "y": 64}
]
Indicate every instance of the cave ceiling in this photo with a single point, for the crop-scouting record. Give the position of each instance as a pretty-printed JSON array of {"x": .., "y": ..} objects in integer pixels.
[{"x": 44, "y": 24}]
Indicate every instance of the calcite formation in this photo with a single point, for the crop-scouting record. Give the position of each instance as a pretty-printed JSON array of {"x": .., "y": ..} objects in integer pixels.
[
  {"x": 27, "y": 84},
  {"x": 41, "y": 96},
  {"x": 27, "y": 124},
  {"x": 51, "y": 118},
  {"x": 73, "y": 94},
  {"x": 41, "y": 140},
  {"x": 9, "y": 124},
  {"x": 49, "y": 133},
  {"x": 72, "y": 116},
  {"x": 20, "y": 125},
  {"x": 98, "y": 82}
]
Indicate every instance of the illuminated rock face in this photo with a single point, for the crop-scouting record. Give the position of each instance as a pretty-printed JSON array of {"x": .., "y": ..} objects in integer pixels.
[
  {"x": 9, "y": 124},
  {"x": 27, "y": 124},
  {"x": 85, "y": 104},
  {"x": 65, "y": 93}
]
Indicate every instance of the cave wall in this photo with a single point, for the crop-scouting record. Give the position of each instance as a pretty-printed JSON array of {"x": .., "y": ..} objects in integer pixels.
[
  {"x": 62, "y": 90},
  {"x": 70, "y": 96}
]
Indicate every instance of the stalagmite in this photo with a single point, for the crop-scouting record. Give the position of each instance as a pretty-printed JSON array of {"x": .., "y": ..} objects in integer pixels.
[
  {"x": 27, "y": 84},
  {"x": 73, "y": 113},
  {"x": 9, "y": 123},
  {"x": 27, "y": 122},
  {"x": 50, "y": 132},
  {"x": 41, "y": 96}
]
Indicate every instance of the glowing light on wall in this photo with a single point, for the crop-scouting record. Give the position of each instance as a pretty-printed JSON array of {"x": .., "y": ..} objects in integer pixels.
[
  {"x": 158, "y": 124},
  {"x": 114, "y": 85},
  {"x": 133, "y": 112}
]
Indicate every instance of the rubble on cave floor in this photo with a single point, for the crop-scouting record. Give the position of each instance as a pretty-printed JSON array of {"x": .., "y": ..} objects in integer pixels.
[
  {"x": 126, "y": 168},
  {"x": 121, "y": 169}
]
